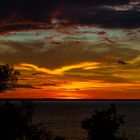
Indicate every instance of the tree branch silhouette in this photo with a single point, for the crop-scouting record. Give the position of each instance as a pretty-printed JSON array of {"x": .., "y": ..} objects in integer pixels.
[{"x": 8, "y": 77}]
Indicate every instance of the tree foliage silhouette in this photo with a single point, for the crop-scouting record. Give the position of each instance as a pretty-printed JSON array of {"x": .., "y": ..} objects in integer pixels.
[
  {"x": 16, "y": 123},
  {"x": 8, "y": 76},
  {"x": 16, "y": 118},
  {"x": 104, "y": 125}
]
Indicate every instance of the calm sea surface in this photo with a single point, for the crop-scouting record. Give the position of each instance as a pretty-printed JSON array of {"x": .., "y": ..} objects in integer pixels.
[{"x": 64, "y": 117}]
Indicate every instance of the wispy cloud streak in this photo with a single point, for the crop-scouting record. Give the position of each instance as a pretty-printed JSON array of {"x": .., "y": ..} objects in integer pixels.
[{"x": 58, "y": 71}]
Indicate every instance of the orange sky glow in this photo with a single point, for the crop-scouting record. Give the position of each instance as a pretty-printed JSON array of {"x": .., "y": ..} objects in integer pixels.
[{"x": 73, "y": 62}]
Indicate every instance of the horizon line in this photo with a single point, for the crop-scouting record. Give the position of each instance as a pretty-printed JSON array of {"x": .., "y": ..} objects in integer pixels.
[{"x": 53, "y": 99}]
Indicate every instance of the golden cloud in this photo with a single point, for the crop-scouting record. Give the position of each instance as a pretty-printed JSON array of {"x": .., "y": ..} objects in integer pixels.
[{"x": 58, "y": 71}]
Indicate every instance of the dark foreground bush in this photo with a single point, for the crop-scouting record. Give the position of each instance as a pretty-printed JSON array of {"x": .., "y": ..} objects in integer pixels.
[
  {"x": 16, "y": 123},
  {"x": 104, "y": 125}
]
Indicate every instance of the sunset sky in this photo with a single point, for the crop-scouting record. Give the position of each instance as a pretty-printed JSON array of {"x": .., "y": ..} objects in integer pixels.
[{"x": 72, "y": 49}]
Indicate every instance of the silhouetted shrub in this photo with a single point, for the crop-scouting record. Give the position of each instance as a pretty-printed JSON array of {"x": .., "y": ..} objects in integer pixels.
[
  {"x": 8, "y": 76},
  {"x": 15, "y": 119},
  {"x": 16, "y": 123},
  {"x": 104, "y": 125}
]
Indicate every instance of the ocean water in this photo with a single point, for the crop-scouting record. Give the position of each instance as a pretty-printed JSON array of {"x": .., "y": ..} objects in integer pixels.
[{"x": 64, "y": 117}]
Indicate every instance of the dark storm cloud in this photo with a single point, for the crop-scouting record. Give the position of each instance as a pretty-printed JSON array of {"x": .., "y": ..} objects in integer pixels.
[
  {"x": 26, "y": 9},
  {"x": 95, "y": 2},
  {"x": 40, "y": 9},
  {"x": 100, "y": 12},
  {"x": 103, "y": 15}
]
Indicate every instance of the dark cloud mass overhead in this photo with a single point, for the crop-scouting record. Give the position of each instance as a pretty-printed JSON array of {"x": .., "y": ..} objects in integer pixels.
[{"x": 106, "y": 13}]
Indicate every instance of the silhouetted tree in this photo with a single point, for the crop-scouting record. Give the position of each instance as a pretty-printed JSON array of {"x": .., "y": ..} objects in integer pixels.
[
  {"x": 16, "y": 123},
  {"x": 104, "y": 125},
  {"x": 8, "y": 76},
  {"x": 16, "y": 118}
]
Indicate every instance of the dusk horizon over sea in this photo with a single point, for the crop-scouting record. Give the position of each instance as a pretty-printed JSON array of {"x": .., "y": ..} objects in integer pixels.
[
  {"x": 65, "y": 117},
  {"x": 71, "y": 67}
]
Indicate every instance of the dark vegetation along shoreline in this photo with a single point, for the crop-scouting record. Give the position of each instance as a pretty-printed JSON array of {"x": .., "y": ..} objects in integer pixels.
[{"x": 16, "y": 119}]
